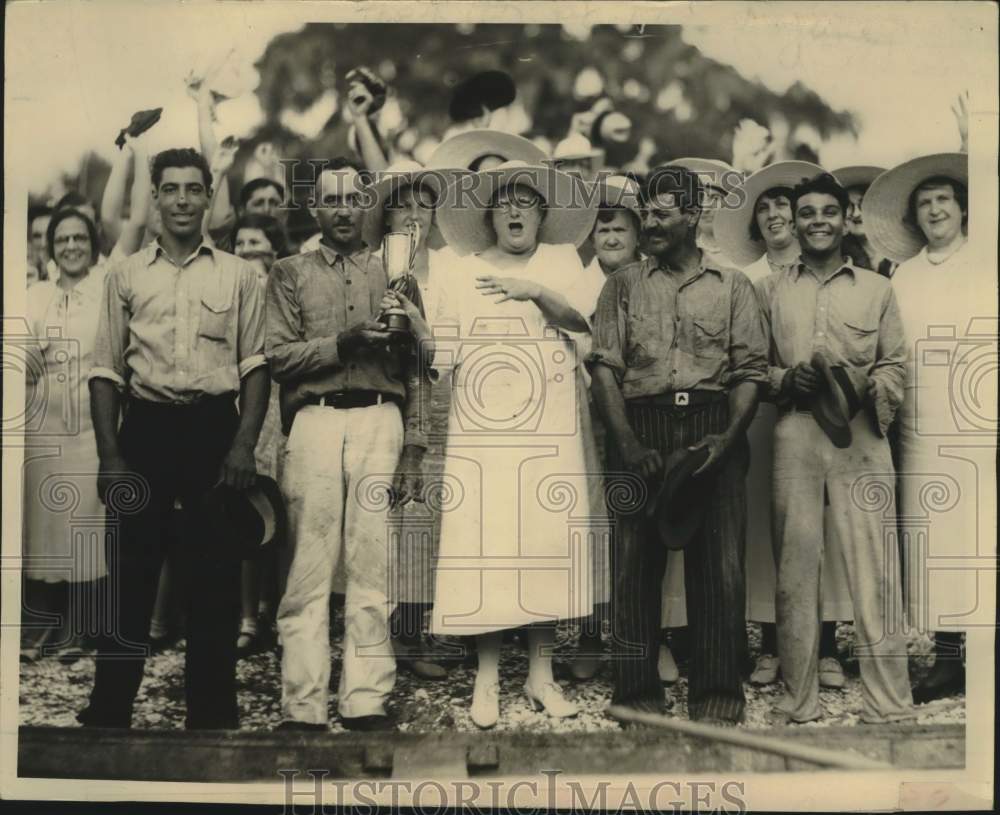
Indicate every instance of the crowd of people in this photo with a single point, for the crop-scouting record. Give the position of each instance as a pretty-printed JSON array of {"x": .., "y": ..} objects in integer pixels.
[{"x": 639, "y": 402}]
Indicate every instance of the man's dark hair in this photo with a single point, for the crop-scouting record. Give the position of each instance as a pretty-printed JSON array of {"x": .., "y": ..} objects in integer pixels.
[
  {"x": 773, "y": 192},
  {"x": 72, "y": 200},
  {"x": 271, "y": 228},
  {"x": 38, "y": 211},
  {"x": 958, "y": 190},
  {"x": 823, "y": 183},
  {"x": 180, "y": 157},
  {"x": 606, "y": 215},
  {"x": 680, "y": 182},
  {"x": 64, "y": 214},
  {"x": 255, "y": 184},
  {"x": 343, "y": 162}
]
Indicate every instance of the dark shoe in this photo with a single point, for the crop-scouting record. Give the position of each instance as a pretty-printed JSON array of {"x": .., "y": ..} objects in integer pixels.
[
  {"x": 368, "y": 724},
  {"x": 248, "y": 644},
  {"x": 302, "y": 727},
  {"x": 946, "y": 678},
  {"x": 422, "y": 668},
  {"x": 88, "y": 718},
  {"x": 157, "y": 645}
]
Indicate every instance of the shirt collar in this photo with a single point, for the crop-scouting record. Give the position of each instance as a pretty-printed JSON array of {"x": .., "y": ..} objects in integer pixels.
[
  {"x": 155, "y": 249},
  {"x": 846, "y": 266},
  {"x": 704, "y": 265},
  {"x": 331, "y": 255}
]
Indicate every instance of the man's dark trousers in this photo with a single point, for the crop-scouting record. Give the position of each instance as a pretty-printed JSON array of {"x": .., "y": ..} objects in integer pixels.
[
  {"x": 175, "y": 451},
  {"x": 714, "y": 577}
]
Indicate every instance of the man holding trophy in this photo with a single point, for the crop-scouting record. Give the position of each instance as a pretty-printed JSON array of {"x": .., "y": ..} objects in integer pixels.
[{"x": 351, "y": 404}]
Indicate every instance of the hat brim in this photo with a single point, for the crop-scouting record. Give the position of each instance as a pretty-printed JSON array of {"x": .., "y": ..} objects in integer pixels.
[
  {"x": 711, "y": 172},
  {"x": 830, "y": 406},
  {"x": 461, "y": 151},
  {"x": 679, "y": 505},
  {"x": 610, "y": 196},
  {"x": 732, "y": 226},
  {"x": 886, "y": 200},
  {"x": 569, "y": 216},
  {"x": 857, "y": 175},
  {"x": 379, "y": 193}
]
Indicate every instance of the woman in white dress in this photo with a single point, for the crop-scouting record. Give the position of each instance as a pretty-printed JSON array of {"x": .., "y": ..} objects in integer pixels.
[
  {"x": 64, "y": 520},
  {"x": 917, "y": 213},
  {"x": 516, "y": 541}
]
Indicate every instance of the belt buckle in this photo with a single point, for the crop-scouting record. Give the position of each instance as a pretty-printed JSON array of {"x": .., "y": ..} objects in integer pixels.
[{"x": 682, "y": 398}]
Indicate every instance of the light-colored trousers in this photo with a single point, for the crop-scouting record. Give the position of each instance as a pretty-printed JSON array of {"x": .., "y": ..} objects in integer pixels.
[
  {"x": 860, "y": 482},
  {"x": 337, "y": 469}
]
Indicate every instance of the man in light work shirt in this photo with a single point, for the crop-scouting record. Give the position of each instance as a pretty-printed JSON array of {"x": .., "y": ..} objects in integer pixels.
[
  {"x": 351, "y": 394},
  {"x": 679, "y": 354},
  {"x": 181, "y": 333},
  {"x": 824, "y": 304}
]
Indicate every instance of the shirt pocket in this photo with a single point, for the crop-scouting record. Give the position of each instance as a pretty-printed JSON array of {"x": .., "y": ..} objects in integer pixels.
[
  {"x": 709, "y": 337},
  {"x": 216, "y": 329},
  {"x": 860, "y": 341}
]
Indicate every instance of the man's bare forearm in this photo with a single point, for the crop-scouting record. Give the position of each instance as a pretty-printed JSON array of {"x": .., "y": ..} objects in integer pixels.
[{"x": 105, "y": 405}]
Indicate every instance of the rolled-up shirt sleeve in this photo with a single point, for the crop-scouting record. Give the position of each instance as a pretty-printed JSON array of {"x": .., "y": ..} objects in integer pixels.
[
  {"x": 290, "y": 357},
  {"x": 250, "y": 339},
  {"x": 609, "y": 330},
  {"x": 112, "y": 330},
  {"x": 888, "y": 375},
  {"x": 772, "y": 392},
  {"x": 748, "y": 345}
]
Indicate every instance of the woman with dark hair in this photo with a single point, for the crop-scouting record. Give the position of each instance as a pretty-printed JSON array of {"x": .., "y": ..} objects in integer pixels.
[
  {"x": 260, "y": 240},
  {"x": 63, "y": 517}
]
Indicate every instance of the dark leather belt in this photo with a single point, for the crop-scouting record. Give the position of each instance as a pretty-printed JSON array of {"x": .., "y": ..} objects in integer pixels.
[
  {"x": 798, "y": 406},
  {"x": 682, "y": 398},
  {"x": 343, "y": 400}
]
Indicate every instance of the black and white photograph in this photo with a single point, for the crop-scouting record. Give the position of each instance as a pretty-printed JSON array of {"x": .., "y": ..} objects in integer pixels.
[{"x": 504, "y": 406}]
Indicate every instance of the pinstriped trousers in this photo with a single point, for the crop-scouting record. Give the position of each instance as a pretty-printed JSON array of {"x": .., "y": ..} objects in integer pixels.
[{"x": 713, "y": 573}]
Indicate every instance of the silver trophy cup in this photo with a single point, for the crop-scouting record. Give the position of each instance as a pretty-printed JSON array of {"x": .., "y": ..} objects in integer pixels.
[{"x": 398, "y": 252}]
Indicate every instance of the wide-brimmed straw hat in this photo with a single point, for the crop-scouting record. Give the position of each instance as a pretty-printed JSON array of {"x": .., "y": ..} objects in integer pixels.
[
  {"x": 888, "y": 196},
  {"x": 732, "y": 226},
  {"x": 462, "y": 213},
  {"x": 462, "y": 151},
  {"x": 619, "y": 191},
  {"x": 394, "y": 178},
  {"x": 711, "y": 172},
  {"x": 575, "y": 147},
  {"x": 857, "y": 175}
]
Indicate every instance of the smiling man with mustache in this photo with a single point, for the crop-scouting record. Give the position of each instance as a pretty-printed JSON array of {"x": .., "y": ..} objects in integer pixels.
[
  {"x": 679, "y": 354},
  {"x": 824, "y": 304}
]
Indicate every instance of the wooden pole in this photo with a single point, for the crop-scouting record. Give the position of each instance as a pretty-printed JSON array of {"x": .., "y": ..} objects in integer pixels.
[{"x": 753, "y": 741}]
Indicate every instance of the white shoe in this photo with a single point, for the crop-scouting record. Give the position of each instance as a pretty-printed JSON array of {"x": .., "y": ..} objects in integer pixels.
[
  {"x": 485, "y": 710},
  {"x": 831, "y": 674},
  {"x": 550, "y": 697},
  {"x": 765, "y": 672},
  {"x": 666, "y": 667}
]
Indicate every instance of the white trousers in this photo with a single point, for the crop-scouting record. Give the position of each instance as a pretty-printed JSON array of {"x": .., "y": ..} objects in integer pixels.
[{"x": 338, "y": 466}]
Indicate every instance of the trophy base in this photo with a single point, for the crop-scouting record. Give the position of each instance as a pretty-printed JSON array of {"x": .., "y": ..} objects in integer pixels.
[{"x": 396, "y": 321}]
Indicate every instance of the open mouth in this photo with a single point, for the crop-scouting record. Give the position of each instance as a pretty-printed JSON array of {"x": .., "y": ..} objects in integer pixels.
[
  {"x": 516, "y": 229},
  {"x": 776, "y": 227}
]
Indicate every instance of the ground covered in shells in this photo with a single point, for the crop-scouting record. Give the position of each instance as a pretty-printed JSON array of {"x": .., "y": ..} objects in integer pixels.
[{"x": 51, "y": 693}]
